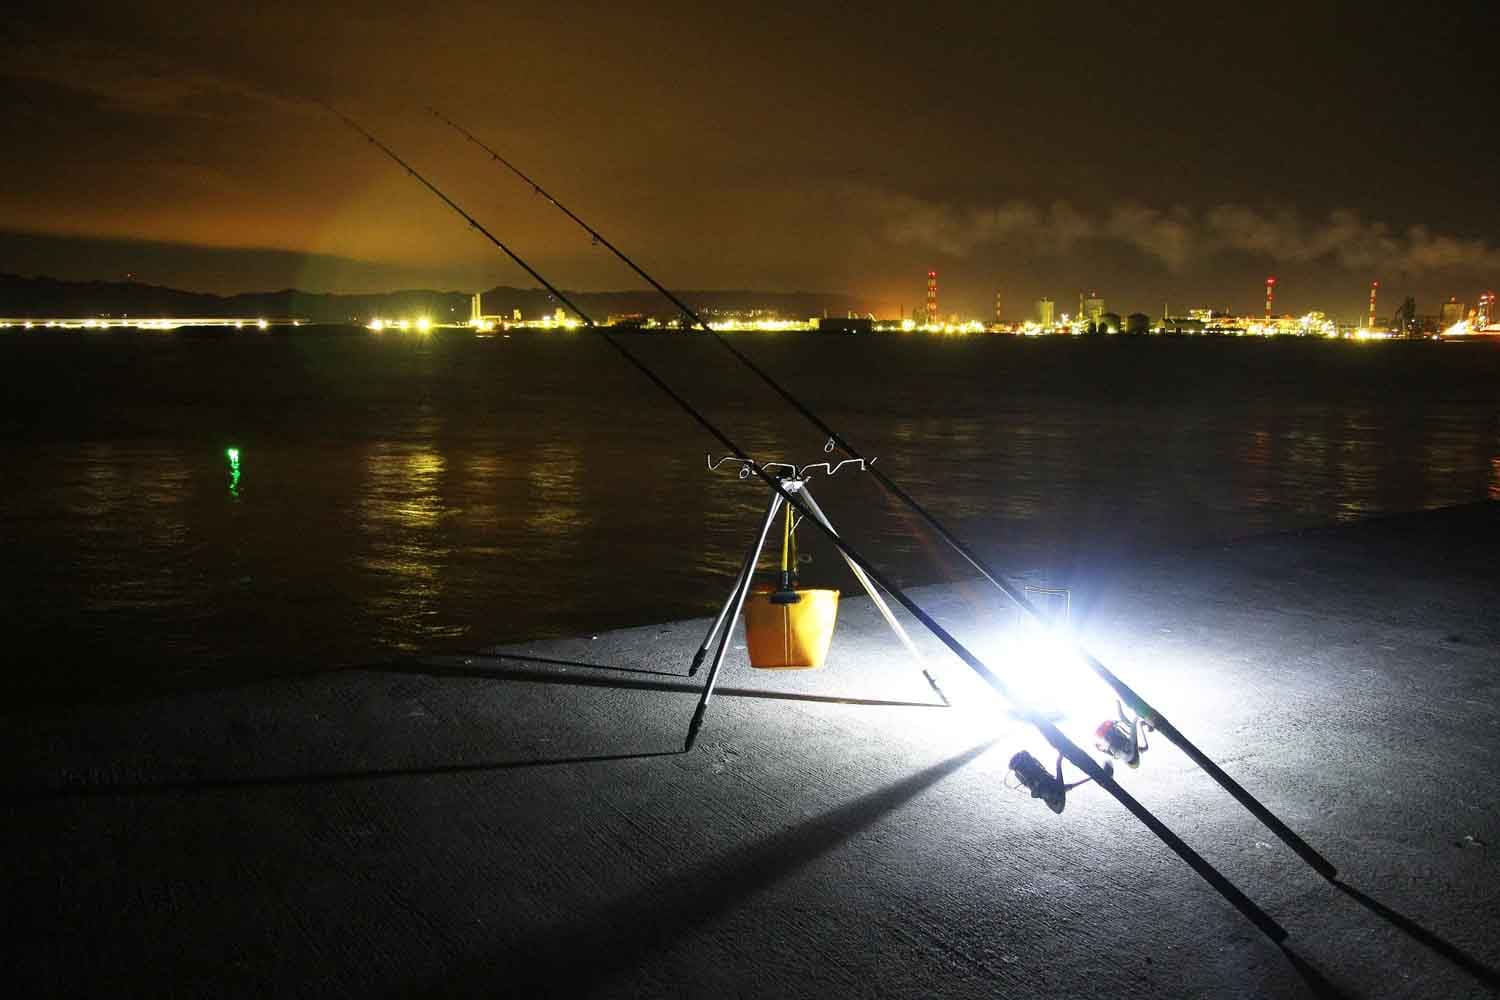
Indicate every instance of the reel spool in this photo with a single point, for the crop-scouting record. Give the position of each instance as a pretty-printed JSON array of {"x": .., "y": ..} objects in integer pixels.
[{"x": 1050, "y": 788}]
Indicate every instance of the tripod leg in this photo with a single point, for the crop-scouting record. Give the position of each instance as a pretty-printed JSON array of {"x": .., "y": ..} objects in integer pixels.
[
  {"x": 747, "y": 570},
  {"x": 885, "y": 611},
  {"x": 730, "y": 617}
]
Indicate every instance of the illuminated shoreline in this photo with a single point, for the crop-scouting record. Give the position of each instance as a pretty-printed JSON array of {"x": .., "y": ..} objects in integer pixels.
[
  {"x": 1311, "y": 327},
  {"x": 153, "y": 324}
]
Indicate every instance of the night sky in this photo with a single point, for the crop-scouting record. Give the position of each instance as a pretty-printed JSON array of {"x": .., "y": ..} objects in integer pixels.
[{"x": 1155, "y": 153}]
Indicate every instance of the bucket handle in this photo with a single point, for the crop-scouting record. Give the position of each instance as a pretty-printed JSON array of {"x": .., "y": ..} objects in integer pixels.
[{"x": 786, "y": 593}]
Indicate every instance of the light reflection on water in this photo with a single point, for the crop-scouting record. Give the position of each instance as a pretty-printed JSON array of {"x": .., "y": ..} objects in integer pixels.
[
  {"x": 1359, "y": 466},
  {"x": 401, "y": 507},
  {"x": 481, "y": 514},
  {"x": 397, "y": 498},
  {"x": 558, "y": 509}
]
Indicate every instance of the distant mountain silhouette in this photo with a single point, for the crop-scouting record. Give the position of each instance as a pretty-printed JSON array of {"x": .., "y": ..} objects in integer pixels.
[{"x": 40, "y": 297}]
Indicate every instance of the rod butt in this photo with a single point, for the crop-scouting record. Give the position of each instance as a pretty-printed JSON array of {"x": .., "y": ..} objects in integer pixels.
[{"x": 693, "y": 727}]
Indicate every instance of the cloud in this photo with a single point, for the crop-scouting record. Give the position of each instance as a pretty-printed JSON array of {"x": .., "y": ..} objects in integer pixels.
[
  {"x": 947, "y": 229},
  {"x": 133, "y": 81},
  {"x": 1177, "y": 237}
]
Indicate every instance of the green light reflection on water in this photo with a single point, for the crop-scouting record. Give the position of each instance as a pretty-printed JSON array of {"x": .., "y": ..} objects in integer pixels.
[{"x": 233, "y": 454}]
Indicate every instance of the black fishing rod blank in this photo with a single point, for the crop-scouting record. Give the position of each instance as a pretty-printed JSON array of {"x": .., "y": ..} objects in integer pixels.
[
  {"x": 1139, "y": 705},
  {"x": 1247, "y": 907}
]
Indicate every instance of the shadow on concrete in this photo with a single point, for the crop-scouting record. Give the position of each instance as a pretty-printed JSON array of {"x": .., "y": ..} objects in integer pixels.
[
  {"x": 580, "y": 664},
  {"x": 1485, "y": 973},
  {"x": 24, "y": 794},
  {"x": 574, "y": 957},
  {"x": 147, "y": 689},
  {"x": 625, "y": 683},
  {"x": 1314, "y": 977}
]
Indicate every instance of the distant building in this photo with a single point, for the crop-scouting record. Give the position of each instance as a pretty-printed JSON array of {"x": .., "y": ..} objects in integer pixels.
[
  {"x": 1183, "y": 324},
  {"x": 1044, "y": 311},
  {"x": 932, "y": 299},
  {"x": 1452, "y": 312},
  {"x": 999, "y": 317},
  {"x": 1485, "y": 315},
  {"x": 1090, "y": 308},
  {"x": 477, "y": 318},
  {"x": 850, "y": 324}
]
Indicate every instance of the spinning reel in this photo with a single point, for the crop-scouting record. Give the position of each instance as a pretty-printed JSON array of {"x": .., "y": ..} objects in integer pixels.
[
  {"x": 1124, "y": 738},
  {"x": 1050, "y": 788}
]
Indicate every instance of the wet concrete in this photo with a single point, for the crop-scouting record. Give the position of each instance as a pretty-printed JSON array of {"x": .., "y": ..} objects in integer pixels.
[{"x": 515, "y": 823}]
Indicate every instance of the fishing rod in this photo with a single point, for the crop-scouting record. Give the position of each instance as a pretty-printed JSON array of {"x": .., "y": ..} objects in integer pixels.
[
  {"x": 1146, "y": 712},
  {"x": 1066, "y": 748}
]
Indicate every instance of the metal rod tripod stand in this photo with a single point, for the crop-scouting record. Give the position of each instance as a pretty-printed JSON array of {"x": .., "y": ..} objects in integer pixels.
[{"x": 729, "y": 614}]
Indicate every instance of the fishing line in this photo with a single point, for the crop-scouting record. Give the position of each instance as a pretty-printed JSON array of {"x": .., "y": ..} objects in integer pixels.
[{"x": 1138, "y": 704}]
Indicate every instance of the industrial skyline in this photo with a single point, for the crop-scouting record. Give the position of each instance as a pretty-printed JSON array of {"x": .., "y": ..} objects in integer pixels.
[
  {"x": 1407, "y": 319},
  {"x": 41, "y": 304}
]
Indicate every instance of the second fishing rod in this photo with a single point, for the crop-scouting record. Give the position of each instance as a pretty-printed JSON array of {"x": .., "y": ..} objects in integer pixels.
[
  {"x": 1065, "y": 747},
  {"x": 1143, "y": 709}
]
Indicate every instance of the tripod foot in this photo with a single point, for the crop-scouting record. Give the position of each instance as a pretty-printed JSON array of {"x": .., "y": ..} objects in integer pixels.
[{"x": 932, "y": 682}]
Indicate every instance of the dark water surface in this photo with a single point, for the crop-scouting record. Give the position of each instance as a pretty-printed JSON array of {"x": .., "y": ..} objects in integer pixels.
[{"x": 441, "y": 494}]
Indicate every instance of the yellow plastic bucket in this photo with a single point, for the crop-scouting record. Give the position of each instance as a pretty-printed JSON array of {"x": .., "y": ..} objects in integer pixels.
[{"x": 789, "y": 636}]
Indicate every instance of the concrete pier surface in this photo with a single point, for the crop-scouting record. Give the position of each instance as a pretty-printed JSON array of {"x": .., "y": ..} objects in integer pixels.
[{"x": 515, "y": 823}]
